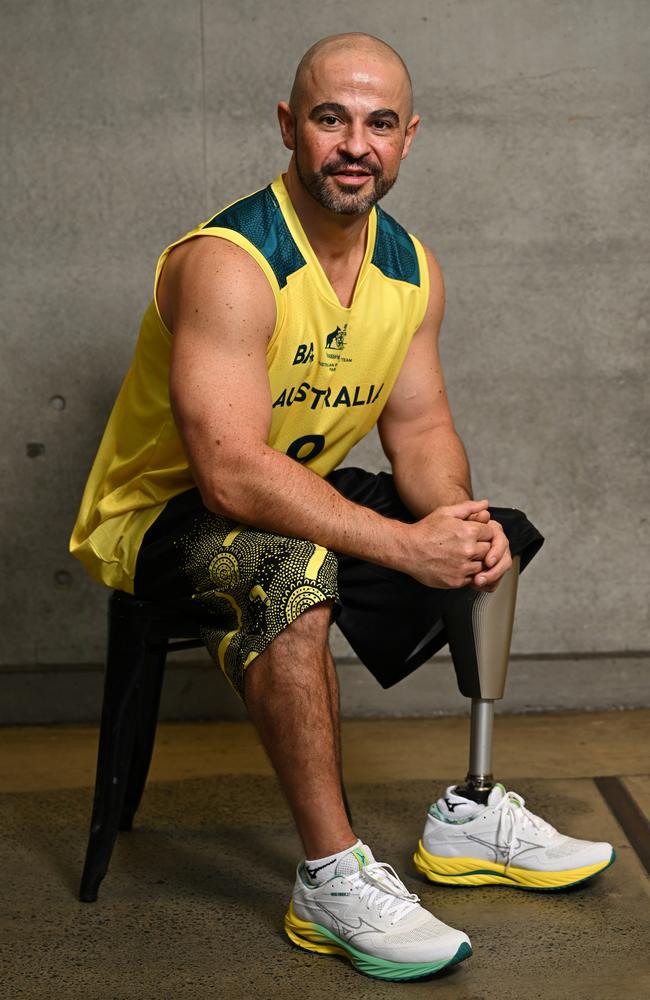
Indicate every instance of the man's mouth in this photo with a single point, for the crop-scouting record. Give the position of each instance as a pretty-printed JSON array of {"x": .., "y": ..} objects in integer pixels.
[
  {"x": 354, "y": 170},
  {"x": 352, "y": 176}
]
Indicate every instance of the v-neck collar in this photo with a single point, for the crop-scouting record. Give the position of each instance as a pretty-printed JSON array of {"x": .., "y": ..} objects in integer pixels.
[{"x": 299, "y": 235}]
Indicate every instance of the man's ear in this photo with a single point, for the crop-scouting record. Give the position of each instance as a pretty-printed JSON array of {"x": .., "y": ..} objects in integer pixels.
[
  {"x": 411, "y": 129},
  {"x": 287, "y": 122}
]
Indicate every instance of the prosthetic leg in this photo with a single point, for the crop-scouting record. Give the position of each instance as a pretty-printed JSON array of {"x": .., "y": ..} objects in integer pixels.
[
  {"x": 497, "y": 841},
  {"x": 479, "y": 627}
]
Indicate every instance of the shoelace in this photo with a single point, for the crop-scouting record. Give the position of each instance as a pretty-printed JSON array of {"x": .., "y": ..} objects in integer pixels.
[
  {"x": 379, "y": 883},
  {"x": 514, "y": 818}
]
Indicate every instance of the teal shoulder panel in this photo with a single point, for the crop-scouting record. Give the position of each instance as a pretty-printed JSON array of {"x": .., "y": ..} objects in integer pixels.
[
  {"x": 260, "y": 220},
  {"x": 395, "y": 254}
]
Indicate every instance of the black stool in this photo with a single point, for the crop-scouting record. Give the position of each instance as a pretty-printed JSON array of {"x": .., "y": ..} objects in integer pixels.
[
  {"x": 139, "y": 638},
  {"x": 140, "y": 635}
]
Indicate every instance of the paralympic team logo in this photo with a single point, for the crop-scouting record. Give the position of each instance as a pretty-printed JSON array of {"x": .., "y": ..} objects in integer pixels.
[{"x": 335, "y": 343}]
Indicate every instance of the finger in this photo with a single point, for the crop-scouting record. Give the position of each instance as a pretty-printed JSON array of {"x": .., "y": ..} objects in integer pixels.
[
  {"x": 480, "y": 553},
  {"x": 482, "y": 532},
  {"x": 455, "y": 581},
  {"x": 498, "y": 549},
  {"x": 474, "y": 561},
  {"x": 471, "y": 570},
  {"x": 483, "y": 516},
  {"x": 492, "y": 576},
  {"x": 464, "y": 509}
]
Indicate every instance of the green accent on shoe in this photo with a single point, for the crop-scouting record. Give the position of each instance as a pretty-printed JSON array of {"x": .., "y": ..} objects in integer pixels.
[
  {"x": 360, "y": 856},
  {"x": 435, "y": 812},
  {"x": 569, "y": 885},
  {"x": 378, "y": 968},
  {"x": 302, "y": 871}
]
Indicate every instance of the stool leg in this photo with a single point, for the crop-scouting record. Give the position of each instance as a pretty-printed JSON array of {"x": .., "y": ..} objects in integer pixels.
[
  {"x": 148, "y": 705},
  {"x": 124, "y": 667}
]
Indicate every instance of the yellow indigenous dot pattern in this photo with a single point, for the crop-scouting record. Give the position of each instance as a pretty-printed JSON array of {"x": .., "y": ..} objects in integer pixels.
[{"x": 250, "y": 585}]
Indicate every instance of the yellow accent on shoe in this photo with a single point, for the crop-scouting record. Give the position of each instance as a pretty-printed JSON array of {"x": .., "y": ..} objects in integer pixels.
[
  {"x": 477, "y": 871},
  {"x": 309, "y": 936}
]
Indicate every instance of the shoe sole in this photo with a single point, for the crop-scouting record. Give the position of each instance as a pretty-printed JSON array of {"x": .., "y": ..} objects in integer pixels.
[
  {"x": 477, "y": 871},
  {"x": 314, "y": 937}
]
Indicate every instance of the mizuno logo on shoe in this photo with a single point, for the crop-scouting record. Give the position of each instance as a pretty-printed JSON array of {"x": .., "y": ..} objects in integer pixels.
[
  {"x": 349, "y": 927},
  {"x": 515, "y": 850},
  {"x": 451, "y": 805}
]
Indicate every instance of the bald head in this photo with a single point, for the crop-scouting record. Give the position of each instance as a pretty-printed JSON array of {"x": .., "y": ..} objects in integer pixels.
[
  {"x": 349, "y": 123},
  {"x": 354, "y": 46}
]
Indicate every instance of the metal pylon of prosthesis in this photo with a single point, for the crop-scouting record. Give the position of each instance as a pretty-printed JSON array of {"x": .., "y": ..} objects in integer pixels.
[{"x": 479, "y": 628}]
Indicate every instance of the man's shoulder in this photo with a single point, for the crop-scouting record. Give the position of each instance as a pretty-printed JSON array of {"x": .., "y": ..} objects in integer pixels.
[
  {"x": 396, "y": 253},
  {"x": 258, "y": 218},
  {"x": 250, "y": 212}
]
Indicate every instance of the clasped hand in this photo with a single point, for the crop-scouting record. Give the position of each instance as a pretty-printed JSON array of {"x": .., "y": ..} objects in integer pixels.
[{"x": 460, "y": 546}]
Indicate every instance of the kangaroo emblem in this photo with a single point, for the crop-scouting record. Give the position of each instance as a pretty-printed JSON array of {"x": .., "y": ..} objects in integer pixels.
[{"x": 335, "y": 340}]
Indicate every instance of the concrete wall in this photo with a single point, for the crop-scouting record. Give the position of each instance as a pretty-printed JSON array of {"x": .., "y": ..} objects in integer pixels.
[{"x": 127, "y": 122}]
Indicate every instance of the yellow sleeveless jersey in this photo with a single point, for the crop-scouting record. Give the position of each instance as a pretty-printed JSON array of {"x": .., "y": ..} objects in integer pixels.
[{"x": 331, "y": 369}]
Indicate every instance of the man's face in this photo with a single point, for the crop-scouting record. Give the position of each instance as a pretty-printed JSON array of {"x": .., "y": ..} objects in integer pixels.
[{"x": 351, "y": 130}]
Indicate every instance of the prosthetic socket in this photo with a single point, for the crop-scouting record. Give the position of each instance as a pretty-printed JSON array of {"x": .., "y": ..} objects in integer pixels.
[{"x": 479, "y": 628}]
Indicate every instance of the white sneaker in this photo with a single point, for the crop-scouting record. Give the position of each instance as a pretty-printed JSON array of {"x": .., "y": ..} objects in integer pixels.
[
  {"x": 465, "y": 843},
  {"x": 366, "y": 914}
]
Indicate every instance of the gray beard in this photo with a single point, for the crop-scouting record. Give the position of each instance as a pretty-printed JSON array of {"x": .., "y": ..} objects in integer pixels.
[{"x": 343, "y": 202}]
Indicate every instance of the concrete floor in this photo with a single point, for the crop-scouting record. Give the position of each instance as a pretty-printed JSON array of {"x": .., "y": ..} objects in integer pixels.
[{"x": 193, "y": 901}]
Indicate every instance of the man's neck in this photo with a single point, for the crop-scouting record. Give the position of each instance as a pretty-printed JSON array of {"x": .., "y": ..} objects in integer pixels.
[{"x": 333, "y": 237}]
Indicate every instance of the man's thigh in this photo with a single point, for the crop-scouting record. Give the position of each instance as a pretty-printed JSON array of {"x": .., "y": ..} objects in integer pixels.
[
  {"x": 241, "y": 585},
  {"x": 245, "y": 586},
  {"x": 392, "y": 622}
]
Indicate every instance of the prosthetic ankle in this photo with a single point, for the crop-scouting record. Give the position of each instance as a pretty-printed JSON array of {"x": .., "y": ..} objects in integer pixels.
[{"x": 479, "y": 628}]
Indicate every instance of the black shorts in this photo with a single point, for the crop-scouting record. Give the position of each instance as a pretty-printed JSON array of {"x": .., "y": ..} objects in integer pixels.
[{"x": 244, "y": 586}]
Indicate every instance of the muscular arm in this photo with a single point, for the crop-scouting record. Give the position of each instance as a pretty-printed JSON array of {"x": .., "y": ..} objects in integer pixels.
[
  {"x": 221, "y": 311},
  {"x": 417, "y": 432},
  {"x": 416, "y": 427}
]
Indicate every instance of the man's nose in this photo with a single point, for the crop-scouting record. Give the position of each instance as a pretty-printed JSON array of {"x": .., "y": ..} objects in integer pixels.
[{"x": 355, "y": 141}]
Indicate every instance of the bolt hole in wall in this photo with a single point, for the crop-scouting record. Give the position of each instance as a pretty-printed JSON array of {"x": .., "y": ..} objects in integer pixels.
[{"x": 36, "y": 448}]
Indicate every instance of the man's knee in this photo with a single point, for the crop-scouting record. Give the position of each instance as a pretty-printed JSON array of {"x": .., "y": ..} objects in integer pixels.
[
  {"x": 298, "y": 651},
  {"x": 312, "y": 621},
  {"x": 306, "y": 635}
]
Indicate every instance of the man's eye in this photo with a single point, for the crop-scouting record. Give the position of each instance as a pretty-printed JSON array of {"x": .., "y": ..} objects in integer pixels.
[
  {"x": 381, "y": 124},
  {"x": 329, "y": 120}
]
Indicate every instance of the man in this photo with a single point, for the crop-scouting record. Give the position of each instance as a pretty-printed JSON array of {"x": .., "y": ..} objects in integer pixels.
[{"x": 270, "y": 349}]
